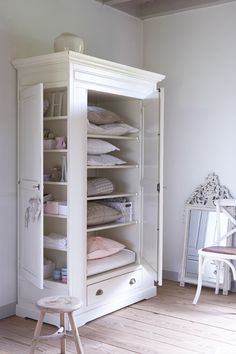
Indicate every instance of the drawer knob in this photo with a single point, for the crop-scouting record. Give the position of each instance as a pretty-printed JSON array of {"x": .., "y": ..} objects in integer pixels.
[
  {"x": 99, "y": 292},
  {"x": 132, "y": 281}
]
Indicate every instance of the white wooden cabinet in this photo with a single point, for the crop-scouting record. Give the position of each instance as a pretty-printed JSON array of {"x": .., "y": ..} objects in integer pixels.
[{"x": 80, "y": 80}]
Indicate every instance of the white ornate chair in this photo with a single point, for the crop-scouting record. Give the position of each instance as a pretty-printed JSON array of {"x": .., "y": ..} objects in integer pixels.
[{"x": 217, "y": 253}]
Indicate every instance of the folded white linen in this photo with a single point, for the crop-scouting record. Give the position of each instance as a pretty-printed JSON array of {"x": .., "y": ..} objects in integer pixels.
[
  {"x": 56, "y": 241},
  {"x": 103, "y": 160},
  {"x": 110, "y": 129},
  {"x": 120, "y": 259}
]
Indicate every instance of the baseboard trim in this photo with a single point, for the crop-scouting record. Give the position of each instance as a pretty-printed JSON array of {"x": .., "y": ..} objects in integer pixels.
[
  {"x": 169, "y": 275},
  {"x": 7, "y": 310}
]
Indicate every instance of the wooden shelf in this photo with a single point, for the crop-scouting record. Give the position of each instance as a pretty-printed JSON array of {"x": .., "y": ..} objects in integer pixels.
[
  {"x": 110, "y": 226},
  {"x": 120, "y": 137},
  {"x": 113, "y": 195},
  {"x": 115, "y": 167},
  {"x": 55, "y": 248},
  {"x": 58, "y": 283},
  {"x": 55, "y": 150},
  {"x": 128, "y": 268},
  {"x": 47, "y": 119},
  {"x": 59, "y": 216},
  {"x": 55, "y": 183}
]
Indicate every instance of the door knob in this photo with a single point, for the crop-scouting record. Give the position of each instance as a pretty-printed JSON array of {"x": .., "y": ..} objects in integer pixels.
[
  {"x": 99, "y": 292},
  {"x": 132, "y": 281}
]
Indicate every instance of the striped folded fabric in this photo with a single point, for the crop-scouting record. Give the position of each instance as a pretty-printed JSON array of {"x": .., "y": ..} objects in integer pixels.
[{"x": 99, "y": 186}]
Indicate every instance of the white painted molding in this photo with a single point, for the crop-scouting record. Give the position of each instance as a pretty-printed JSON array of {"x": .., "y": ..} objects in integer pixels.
[{"x": 89, "y": 61}]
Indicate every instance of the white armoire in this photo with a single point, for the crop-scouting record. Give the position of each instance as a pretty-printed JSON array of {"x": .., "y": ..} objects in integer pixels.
[{"x": 54, "y": 92}]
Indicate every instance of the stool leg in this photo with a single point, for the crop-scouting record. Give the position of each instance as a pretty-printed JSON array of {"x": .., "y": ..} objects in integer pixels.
[
  {"x": 75, "y": 332},
  {"x": 63, "y": 339},
  {"x": 37, "y": 332}
]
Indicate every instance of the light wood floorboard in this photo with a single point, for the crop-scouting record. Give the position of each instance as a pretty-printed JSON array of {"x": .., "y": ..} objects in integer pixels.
[{"x": 166, "y": 324}]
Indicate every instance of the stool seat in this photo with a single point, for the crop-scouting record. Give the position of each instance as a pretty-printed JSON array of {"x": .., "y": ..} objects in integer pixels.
[{"x": 61, "y": 305}]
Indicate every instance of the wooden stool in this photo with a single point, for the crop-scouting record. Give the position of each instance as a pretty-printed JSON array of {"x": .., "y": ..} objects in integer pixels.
[{"x": 61, "y": 305}]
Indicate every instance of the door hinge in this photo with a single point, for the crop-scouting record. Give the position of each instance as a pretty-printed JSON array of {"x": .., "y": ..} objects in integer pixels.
[
  {"x": 158, "y": 187},
  {"x": 37, "y": 186},
  {"x": 155, "y": 283}
]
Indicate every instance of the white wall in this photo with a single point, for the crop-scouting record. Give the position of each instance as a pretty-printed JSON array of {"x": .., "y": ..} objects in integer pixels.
[
  {"x": 27, "y": 28},
  {"x": 197, "y": 51}
]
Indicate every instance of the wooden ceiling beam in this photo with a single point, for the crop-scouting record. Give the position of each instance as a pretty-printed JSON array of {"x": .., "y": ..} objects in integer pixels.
[
  {"x": 114, "y": 2},
  {"x": 151, "y": 8}
]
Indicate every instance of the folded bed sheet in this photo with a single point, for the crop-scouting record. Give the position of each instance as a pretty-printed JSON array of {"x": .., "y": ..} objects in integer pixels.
[{"x": 117, "y": 260}]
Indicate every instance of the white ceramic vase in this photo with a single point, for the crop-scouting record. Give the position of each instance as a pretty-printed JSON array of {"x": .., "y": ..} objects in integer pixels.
[{"x": 68, "y": 41}]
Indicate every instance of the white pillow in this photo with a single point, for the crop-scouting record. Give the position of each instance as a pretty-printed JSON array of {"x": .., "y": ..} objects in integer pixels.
[
  {"x": 99, "y": 115},
  {"x": 100, "y": 247},
  {"x": 99, "y": 186},
  {"x": 110, "y": 129},
  {"x": 101, "y": 214},
  {"x": 98, "y": 147},
  {"x": 103, "y": 160}
]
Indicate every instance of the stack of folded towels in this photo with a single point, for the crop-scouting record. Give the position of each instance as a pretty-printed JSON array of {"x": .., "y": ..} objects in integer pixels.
[{"x": 54, "y": 240}]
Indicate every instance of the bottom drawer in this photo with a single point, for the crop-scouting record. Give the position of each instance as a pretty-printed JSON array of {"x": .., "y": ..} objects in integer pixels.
[{"x": 113, "y": 288}]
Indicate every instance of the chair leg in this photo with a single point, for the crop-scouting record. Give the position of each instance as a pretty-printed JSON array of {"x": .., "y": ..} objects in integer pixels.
[
  {"x": 217, "y": 277},
  {"x": 37, "y": 332},
  {"x": 201, "y": 263},
  {"x": 75, "y": 332},
  {"x": 63, "y": 339},
  {"x": 226, "y": 281}
]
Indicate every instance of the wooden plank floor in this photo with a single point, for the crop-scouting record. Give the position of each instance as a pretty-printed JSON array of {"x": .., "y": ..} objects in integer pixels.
[{"x": 166, "y": 324}]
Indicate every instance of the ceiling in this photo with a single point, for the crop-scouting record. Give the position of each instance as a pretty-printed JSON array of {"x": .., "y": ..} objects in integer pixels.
[{"x": 150, "y": 8}]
